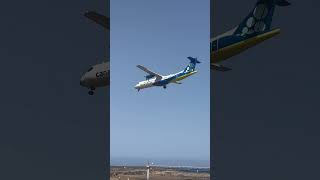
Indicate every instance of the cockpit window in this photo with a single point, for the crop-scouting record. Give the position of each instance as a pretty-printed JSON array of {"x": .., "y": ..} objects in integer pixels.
[{"x": 90, "y": 69}]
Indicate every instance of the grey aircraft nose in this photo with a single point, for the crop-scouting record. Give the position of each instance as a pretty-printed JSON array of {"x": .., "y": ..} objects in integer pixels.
[{"x": 82, "y": 81}]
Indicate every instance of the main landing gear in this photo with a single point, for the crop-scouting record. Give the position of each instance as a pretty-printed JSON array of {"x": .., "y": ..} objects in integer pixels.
[{"x": 164, "y": 87}]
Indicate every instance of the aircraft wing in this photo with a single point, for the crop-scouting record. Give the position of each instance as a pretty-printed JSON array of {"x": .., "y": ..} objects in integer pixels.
[
  {"x": 98, "y": 18},
  {"x": 158, "y": 76}
]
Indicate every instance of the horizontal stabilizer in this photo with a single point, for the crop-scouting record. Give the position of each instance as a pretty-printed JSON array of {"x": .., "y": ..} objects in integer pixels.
[
  {"x": 282, "y": 3},
  {"x": 98, "y": 18},
  {"x": 218, "y": 67},
  {"x": 193, "y": 60}
]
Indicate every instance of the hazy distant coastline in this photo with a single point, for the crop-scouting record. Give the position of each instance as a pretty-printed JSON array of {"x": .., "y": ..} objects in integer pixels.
[{"x": 159, "y": 161}]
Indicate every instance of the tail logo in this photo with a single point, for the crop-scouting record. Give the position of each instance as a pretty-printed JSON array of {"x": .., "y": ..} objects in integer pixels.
[
  {"x": 261, "y": 11},
  {"x": 259, "y": 19},
  {"x": 189, "y": 68},
  {"x": 255, "y": 23}
]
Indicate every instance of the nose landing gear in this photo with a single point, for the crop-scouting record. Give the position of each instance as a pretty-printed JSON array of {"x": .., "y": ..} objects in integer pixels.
[
  {"x": 164, "y": 87},
  {"x": 91, "y": 92}
]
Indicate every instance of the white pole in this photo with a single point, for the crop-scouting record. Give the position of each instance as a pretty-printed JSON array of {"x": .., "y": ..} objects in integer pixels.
[{"x": 148, "y": 171}]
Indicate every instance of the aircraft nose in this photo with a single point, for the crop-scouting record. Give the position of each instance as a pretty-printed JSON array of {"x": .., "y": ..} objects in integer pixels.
[
  {"x": 82, "y": 81},
  {"x": 136, "y": 86}
]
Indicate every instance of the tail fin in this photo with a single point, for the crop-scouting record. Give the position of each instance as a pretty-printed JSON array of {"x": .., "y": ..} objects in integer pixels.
[
  {"x": 260, "y": 18},
  {"x": 192, "y": 64}
]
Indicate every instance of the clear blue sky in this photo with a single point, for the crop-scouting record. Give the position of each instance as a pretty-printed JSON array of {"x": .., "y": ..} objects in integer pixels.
[{"x": 160, "y": 123}]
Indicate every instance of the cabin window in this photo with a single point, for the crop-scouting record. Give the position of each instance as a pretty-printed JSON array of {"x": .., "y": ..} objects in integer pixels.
[{"x": 90, "y": 69}]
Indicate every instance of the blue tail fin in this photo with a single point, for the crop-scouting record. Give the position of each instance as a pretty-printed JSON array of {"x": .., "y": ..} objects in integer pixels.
[
  {"x": 192, "y": 64},
  {"x": 260, "y": 18}
]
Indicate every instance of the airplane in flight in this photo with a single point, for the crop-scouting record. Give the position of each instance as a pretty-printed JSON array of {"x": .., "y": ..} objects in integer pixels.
[
  {"x": 254, "y": 29},
  {"x": 155, "y": 79},
  {"x": 97, "y": 75}
]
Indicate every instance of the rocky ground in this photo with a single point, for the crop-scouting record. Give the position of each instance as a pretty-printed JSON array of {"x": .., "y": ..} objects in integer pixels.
[{"x": 156, "y": 173}]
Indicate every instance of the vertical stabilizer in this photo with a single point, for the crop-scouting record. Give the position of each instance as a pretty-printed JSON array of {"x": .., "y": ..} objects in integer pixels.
[
  {"x": 192, "y": 64},
  {"x": 260, "y": 18}
]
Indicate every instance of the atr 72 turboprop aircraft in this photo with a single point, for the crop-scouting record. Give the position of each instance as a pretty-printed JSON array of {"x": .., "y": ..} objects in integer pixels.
[
  {"x": 254, "y": 29},
  {"x": 155, "y": 79},
  {"x": 99, "y": 74}
]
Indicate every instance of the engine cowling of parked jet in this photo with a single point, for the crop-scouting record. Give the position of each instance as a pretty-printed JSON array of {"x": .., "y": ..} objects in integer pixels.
[{"x": 149, "y": 76}]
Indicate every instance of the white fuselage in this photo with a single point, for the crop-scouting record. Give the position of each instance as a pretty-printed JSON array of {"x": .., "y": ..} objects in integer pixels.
[
  {"x": 155, "y": 79},
  {"x": 145, "y": 84},
  {"x": 97, "y": 76},
  {"x": 171, "y": 78}
]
